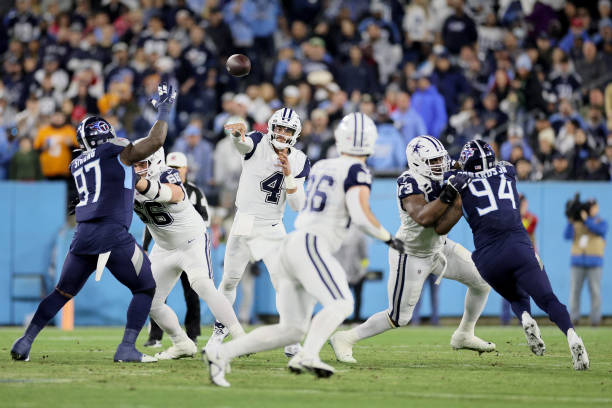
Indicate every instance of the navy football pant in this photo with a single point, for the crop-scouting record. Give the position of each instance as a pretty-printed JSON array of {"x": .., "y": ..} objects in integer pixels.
[{"x": 513, "y": 270}]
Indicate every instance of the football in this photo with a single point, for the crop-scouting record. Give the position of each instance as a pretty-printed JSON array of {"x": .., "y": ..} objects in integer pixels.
[{"x": 238, "y": 65}]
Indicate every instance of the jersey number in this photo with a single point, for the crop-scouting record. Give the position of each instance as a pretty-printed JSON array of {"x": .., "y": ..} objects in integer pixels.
[
  {"x": 151, "y": 212},
  {"x": 503, "y": 193},
  {"x": 315, "y": 197},
  {"x": 272, "y": 187},
  {"x": 81, "y": 182}
]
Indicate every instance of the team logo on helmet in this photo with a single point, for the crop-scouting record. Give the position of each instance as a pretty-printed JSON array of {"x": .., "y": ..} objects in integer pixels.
[
  {"x": 466, "y": 153},
  {"x": 98, "y": 128}
]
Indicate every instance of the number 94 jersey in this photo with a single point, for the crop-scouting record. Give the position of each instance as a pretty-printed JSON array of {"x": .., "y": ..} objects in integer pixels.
[
  {"x": 261, "y": 190},
  {"x": 491, "y": 204},
  {"x": 325, "y": 213},
  {"x": 172, "y": 225}
]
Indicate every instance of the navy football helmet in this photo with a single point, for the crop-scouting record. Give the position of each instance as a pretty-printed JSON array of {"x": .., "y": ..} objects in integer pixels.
[
  {"x": 476, "y": 156},
  {"x": 93, "y": 131}
]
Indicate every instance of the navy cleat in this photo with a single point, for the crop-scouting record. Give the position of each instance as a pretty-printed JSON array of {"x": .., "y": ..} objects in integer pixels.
[
  {"x": 127, "y": 353},
  {"x": 20, "y": 351}
]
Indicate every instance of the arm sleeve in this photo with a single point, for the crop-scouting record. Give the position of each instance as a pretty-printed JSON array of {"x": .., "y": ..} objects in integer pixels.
[
  {"x": 360, "y": 219},
  {"x": 146, "y": 240},
  {"x": 600, "y": 228},
  {"x": 248, "y": 145},
  {"x": 569, "y": 231},
  {"x": 296, "y": 200}
]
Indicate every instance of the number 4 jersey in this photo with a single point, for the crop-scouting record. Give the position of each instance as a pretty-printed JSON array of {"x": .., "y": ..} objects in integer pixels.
[
  {"x": 261, "y": 191},
  {"x": 172, "y": 225},
  {"x": 491, "y": 204}
]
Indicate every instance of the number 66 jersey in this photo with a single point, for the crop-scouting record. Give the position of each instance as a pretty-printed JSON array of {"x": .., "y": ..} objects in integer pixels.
[{"x": 172, "y": 225}]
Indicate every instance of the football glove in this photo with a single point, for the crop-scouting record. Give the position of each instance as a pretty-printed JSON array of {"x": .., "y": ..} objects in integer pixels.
[
  {"x": 166, "y": 95},
  {"x": 453, "y": 186},
  {"x": 396, "y": 244}
]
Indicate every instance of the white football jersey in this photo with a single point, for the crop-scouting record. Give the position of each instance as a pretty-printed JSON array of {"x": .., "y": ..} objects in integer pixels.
[
  {"x": 325, "y": 213},
  {"x": 261, "y": 190},
  {"x": 172, "y": 225},
  {"x": 418, "y": 240}
]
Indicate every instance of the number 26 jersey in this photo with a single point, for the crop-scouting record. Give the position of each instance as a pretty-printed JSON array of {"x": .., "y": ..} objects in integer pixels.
[
  {"x": 172, "y": 225},
  {"x": 261, "y": 190}
]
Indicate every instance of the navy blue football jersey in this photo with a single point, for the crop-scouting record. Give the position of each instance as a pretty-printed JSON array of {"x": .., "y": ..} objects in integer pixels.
[
  {"x": 105, "y": 185},
  {"x": 491, "y": 204}
]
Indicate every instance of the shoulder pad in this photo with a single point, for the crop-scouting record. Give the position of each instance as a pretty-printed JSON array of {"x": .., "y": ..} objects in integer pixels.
[{"x": 358, "y": 175}]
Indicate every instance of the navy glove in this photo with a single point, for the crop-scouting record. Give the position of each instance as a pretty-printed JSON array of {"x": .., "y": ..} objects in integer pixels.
[
  {"x": 453, "y": 186},
  {"x": 166, "y": 95}
]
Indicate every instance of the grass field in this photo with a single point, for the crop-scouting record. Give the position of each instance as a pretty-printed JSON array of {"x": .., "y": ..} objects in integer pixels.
[{"x": 411, "y": 367}]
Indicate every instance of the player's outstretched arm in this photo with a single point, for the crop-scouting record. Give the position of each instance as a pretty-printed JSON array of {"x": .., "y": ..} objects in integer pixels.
[
  {"x": 160, "y": 192},
  {"x": 134, "y": 153},
  {"x": 358, "y": 204},
  {"x": 237, "y": 131},
  {"x": 450, "y": 217}
]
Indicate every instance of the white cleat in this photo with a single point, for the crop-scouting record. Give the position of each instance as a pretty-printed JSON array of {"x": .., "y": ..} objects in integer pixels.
[
  {"x": 532, "y": 334},
  {"x": 148, "y": 359},
  {"x": 180, "y": 350},
  {"x": 218, "y": 335},
  {"x": 292, "y": 349},
  {"x": 580, "y": 358},
  {"x": 218, "y": 365},
  {"x": 343, "y": 348},
  {"x": 461, "y": 340},
  {"x": 299, "y": 363}
]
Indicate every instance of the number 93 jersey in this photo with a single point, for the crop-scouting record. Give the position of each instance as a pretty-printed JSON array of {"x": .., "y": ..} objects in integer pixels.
[
  {"x": 261, "y": 190},
  {"x": 491, "y": 204},
  {"x": 325, "y": 213},
  {"x": 172, "y": 225},
  {"x": 419, "y": 241}
]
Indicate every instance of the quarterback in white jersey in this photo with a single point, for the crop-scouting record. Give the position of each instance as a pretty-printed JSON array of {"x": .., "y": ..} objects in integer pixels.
[
  {"x": 425, "y": 206},
  {"x": 181, "y": 244},
  {"x": 273, "y": 172},
  {"x": 338, "y": 194}
]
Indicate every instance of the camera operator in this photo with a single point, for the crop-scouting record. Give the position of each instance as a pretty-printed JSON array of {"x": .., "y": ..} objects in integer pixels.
[{"x": 587, "y": 232}]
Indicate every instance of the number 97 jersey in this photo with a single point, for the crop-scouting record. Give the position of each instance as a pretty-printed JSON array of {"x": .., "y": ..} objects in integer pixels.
[
  {"x": 491, "y": 204},
  {"x": 325, "y": 213}
]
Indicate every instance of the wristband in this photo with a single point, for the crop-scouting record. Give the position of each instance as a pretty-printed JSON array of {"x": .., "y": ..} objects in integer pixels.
[
  {"x": 163, "y": 112},
  {"x": 290, "y": 183},
  {"x": 152, "y": 190}
]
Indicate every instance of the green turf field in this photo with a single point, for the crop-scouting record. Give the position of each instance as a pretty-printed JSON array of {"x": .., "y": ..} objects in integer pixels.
[{"x": 410, "y": 367}]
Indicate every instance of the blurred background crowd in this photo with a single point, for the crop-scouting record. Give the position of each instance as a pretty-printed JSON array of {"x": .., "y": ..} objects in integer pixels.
[{"x": 532, "y": 78}]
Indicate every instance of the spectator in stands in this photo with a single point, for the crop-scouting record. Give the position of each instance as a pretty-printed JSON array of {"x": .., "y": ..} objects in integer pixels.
[
  {"x": 320, "y": 137},
  {"x": 55, "y": 142},
  {"x": 219, "y": 32},
  {"x": 524, "y": 170},
  {"x": 592, "y": 68},
  {"x": 515, "y": 138},
  {"x": 566, "y": 112},
  {"x": 594, "y": 169},
  {"x": 493, "y": 118},
  {"x": 429, "y": 104},
  {"x": 588, "y": 235},
  {"x": 575, "y": 34},
  {"x": 357, "y": 74},
  {"x": 390, "y": 150},
  {"x": 199, "y": 154},
  {"x": 380, "y": 48},
  {"x": 561, "y": 169},
  {"x": 406, "y": 118},
  {"x": 228, "y": 166},
  {"x": 459, "y": 29},
  {"x": 449, "y": 81},
  {"x": 25, "y": 164},
  {"x": 545, "y": 150},
  {"x": 565, "y": 83},
  {"x": 527, "y": 86}
]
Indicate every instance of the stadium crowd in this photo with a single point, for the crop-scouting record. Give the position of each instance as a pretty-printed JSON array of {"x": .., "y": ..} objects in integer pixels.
[{"x": 529, "y": 77}]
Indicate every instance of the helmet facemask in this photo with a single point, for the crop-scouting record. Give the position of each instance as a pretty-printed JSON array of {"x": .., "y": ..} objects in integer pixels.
[
  {"x": 438, "y": 166},
  {"x": 283, "y": 137}
]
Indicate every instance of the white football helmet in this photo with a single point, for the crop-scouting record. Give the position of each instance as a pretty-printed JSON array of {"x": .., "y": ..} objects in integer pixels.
[
  {"x": 155, "y": 163},
  {"x": 421, "y": 153},
  {"x": 288, "y": 118},
  {"x": 356, "y": 135}
]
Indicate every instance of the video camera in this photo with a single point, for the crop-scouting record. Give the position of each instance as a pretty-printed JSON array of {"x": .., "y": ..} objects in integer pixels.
[{"x": 574, "y": 207}]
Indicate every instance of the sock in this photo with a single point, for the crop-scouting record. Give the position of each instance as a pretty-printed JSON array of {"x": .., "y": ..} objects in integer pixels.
[
  {"x": 138, "y": 311},
  {"x": 323, "y": 325},
  {"x": 261, "y": 339},
  {"x": 165, "y": 317},
  {"x": 475, "y": 301},
  {"x": 219, "y": 306},
  {"x": 130, "y": 336},
  {"x": 46, "y": 310},
  {"x": 376, "y": 324}
]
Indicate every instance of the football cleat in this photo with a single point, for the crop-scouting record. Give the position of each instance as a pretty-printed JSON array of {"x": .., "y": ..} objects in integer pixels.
[
  {"x": 343, "y": 348},
  {"x": 467, "y": 341},
  {"x": 299, "y": 363},
  {"x": 183, "y": 349},
  {"x": 20, "y": 350},
  {"x": 532, "y": 334},
  {"x": 154, "y": 343},
  {"x": 217, "y": 365},
  {"x": 292, "y": 349},
  {"x": 220, "y": 332},
  {"x": 127, "y": 353},
  {"x": 580, "y": 358}
]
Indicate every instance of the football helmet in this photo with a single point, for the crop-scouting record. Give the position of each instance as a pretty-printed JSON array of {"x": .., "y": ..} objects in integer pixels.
[
  {"x": 93, "y": 131},
  {"x": 427, "y": 156},
  {"x": 356, "y": 135},
  {"x": 476, "y": 156},
  {"x": 155, "y": 164},
  {"x": 287, "y": 118}
]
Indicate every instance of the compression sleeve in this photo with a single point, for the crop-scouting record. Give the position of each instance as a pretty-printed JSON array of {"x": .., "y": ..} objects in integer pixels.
[
  {"x": 243, "y": 147},
  {"x": 359, "y": 217}
]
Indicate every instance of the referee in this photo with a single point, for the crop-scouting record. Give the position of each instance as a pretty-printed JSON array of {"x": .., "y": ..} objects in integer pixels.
[{"x": 178, "y": 161}]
